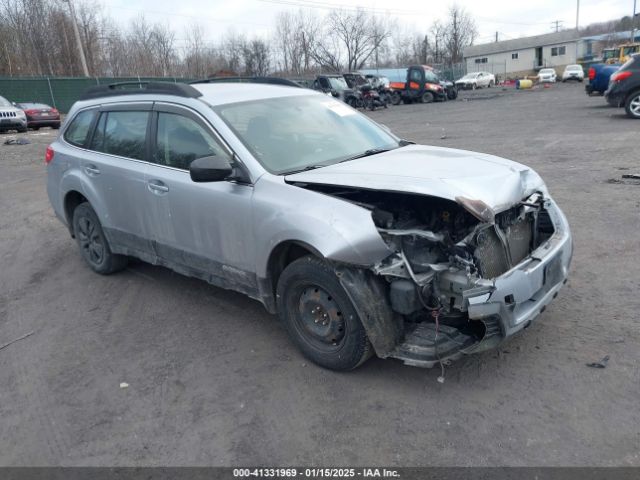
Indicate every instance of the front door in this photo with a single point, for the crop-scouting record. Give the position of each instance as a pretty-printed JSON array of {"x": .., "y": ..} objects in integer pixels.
[{"x": 200, "y": 229}]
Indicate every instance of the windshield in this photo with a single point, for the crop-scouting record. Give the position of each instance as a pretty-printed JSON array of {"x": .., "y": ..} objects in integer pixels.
[
  {"x": 430, "y": 77},
  {"x": 607, "y": 54},
  {"x": 288, "y": 134},
  {"x": 546, "y": 70},
  {"x": 469, "y": 76},
  {"x": 574, "y": 68},
  {"x": 338, "y": 83},
  {"x": 4, "y": 102},
  {"x": 33, "y": 105}
]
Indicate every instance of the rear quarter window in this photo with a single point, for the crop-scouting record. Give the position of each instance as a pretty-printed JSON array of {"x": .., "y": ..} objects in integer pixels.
[{"x": 78, "y": 130}]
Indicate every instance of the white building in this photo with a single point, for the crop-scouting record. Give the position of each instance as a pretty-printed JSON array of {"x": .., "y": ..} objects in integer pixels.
[{"x": 523, "y": 56}]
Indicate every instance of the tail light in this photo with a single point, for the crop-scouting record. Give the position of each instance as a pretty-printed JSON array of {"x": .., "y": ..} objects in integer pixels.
[
  {"x": 48, "y": 156},
  {"x": 592, "y": 73},
  {"x": 620, "y": 76},
  {"x": 31, "y": 111},
  {"x": 54, "y": 111}
]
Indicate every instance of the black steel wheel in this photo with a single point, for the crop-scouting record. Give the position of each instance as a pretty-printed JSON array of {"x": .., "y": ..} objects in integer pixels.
[
  {"x": 320, "y": 317},
  {"x": 94, "y": 246}
]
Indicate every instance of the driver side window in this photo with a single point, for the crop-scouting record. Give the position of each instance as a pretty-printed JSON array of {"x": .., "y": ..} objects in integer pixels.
[{"x": 181, "y": 140}]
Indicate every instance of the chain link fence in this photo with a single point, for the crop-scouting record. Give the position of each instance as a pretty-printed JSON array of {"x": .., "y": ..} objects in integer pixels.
[{"x": 61, "y": 92}]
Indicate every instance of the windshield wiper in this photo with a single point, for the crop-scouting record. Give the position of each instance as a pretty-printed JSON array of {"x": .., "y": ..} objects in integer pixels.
[
  {"x": 298, "y": 170},
  {"x": 367, "y": 153}
]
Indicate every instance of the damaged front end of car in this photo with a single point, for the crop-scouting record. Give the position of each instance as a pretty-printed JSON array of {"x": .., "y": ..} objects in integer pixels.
[{"x": 461, "y": 278}]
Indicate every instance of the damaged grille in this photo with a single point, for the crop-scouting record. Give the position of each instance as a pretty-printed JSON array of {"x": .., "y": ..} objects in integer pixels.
[{"x": 490, "y": 252}]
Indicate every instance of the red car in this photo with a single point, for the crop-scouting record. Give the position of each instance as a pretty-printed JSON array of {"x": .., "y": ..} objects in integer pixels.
[{"x": 40, "y": 115}]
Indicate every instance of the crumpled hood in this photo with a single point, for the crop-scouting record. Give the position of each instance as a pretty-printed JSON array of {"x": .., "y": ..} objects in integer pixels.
[{"x": 435, "y": 171}]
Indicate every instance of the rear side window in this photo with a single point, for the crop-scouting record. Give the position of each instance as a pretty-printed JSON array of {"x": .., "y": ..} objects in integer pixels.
[
  {"x": 181, "y": 140},
  {"x": 122, "y": 134},
  {"x": 77, "y": 132}
]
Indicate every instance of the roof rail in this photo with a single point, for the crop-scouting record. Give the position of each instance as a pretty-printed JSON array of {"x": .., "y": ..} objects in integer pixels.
[
  {"x": 270, "y": 80},
  {"x": 158, "y": 88}
]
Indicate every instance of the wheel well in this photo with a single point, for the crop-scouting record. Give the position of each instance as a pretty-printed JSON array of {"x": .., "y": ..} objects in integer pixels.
[
  {"x": 71, "y": 201},
  {"x": 283, "y": 255}
]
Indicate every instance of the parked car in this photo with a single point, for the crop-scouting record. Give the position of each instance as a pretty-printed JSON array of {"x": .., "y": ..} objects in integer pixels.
[
  {"x": 599, "y": 75},
  {"x": 421, "y": 85},
  {"x": 11, "y": 117},
  {"x": 624, "y": 87},
  {"x": 362, "y": 243},
  {"x": 547, "y": 75},
  {"x": 40, "y": 115},
  {"x": 336, "y": 86},
  {"x": 573, "y": 72},
  {"x": 476, "y": 80}
]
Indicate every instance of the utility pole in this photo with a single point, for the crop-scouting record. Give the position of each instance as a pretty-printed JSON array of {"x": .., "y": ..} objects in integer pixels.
[
  {"x": 496, "y": 37},
  {"x": 83, "y": 60},
  {"x": 557, "y": 24},
  {"x": 578, "y": 15},
  {"x": 633, "y": 23}
]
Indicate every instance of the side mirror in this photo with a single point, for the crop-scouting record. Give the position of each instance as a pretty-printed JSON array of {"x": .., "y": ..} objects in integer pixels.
[{"x": 210, "y": 169}]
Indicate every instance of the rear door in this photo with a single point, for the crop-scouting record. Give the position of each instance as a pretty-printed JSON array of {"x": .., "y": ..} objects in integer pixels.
[
  {"x": 114, "y": 169},
  {"x": 200, "y": 229}
]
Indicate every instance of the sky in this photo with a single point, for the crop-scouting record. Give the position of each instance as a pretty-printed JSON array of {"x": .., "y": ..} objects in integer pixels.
[{"x": 510, "y": 18}]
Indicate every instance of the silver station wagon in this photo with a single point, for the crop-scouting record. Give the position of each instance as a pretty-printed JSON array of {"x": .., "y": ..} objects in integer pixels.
[{"x": 362, "y": 243}]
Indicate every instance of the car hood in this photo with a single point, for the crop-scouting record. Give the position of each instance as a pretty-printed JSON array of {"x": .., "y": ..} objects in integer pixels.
[{"x": 434, "y": 171}]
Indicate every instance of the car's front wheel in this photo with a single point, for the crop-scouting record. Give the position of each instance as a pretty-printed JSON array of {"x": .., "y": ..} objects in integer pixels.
[
  {"x": 319, "y": 316},
  {"x": 93, "y": 244},
  {"x": 632, "y": 105}
]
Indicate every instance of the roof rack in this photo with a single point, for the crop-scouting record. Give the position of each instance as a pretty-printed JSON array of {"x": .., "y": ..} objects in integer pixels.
[
  {"x": 158, "y": 88},
  {"x": 269, "y": 80}
]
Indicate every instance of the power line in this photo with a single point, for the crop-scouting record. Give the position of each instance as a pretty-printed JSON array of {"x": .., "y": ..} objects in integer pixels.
[{"x": 557, "y": 24}]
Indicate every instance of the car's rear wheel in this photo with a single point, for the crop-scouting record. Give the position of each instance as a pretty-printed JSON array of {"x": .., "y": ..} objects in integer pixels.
[
  {"x": 632, "y": 105},
  {"x": 319, "y": 316},
  {"x": 396, "y": 98},
  {"x": 94, "y": 246}
]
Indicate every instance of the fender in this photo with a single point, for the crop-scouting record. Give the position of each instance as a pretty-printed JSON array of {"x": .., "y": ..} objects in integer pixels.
[{"x": 338, "y": 230}]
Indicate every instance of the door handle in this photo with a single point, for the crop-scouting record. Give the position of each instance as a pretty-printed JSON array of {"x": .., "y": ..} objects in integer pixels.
[
  {"x": 157, "y": 186},
  {"x": 92, "y": 170}
]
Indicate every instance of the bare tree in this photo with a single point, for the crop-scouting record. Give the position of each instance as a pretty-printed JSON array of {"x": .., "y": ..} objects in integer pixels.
[
  {"x": 359, "y": 33},
  {"x": 256, "y": 57},
  {"x": 460, "y": 32}
]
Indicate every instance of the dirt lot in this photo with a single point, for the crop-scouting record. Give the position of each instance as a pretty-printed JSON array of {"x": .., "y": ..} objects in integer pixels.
[{"x": 213, "y": 379}]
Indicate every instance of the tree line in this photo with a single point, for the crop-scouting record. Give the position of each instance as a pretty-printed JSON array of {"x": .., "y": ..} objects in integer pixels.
[{"x": 37, "y": 38}]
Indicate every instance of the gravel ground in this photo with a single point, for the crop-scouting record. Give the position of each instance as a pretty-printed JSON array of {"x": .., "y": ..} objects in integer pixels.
[{"x": 213, "y": 379}]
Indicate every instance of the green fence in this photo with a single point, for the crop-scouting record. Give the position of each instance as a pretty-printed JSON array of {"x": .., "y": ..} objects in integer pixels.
[{"x": 60, "y": 92}]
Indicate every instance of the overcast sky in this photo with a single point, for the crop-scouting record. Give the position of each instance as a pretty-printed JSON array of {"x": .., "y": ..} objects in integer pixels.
[{"x": 511, "y": 18}]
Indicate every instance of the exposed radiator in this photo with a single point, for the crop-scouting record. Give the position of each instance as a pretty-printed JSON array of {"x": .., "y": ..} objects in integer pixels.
[{"x": 490, "y": 252}]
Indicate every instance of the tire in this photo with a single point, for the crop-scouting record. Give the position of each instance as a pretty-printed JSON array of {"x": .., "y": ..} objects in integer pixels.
[
  {"x": 56, "y": 127},
  {"x": 396, "y": 98},
  {"x": 632, "y": 105},
  {"x": 93, "y": 244},
  {"x": 35, "y": 128},
  {"x": 427, "y": 97},
  {"x": 474, "y": 86},
  {"x": 319, "y": 316},
  {"x": 22, "y": 130},
  {"x": 351, "y": 101},
  {"x": 491, "y": 84},
  {"x": 370, "y": 104}
]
